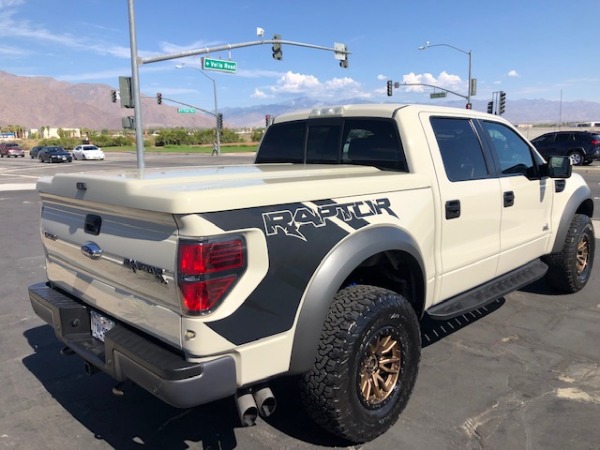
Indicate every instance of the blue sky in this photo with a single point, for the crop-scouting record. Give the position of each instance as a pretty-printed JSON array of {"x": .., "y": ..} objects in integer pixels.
[{"x": 540, "y": 49}]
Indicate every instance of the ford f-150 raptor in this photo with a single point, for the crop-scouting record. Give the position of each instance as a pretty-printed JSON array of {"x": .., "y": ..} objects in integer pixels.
[{"x": 318, "y": 260}]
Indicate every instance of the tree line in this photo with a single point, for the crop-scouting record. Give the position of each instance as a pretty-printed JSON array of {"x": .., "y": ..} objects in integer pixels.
[{"x": 107, "y": 138}]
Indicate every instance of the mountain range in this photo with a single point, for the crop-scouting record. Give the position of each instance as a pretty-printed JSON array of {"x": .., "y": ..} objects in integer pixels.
[{"x": 35, "y": 102}]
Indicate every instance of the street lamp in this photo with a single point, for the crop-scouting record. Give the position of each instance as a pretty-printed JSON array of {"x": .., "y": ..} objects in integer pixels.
[
  {"x": 427, "y": 45},
  {"x": 217, "y": 128}
]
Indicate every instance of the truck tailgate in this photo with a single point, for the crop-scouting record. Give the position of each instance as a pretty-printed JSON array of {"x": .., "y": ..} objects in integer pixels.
[{"x": 118, "y": 260}]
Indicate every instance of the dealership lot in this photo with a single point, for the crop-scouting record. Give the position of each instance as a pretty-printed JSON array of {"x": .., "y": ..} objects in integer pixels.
[{"x": 522, "y": 373}]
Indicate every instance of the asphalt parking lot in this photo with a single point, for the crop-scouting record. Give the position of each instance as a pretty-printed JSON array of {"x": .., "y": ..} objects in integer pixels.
[{"x": 522, "y": 373}]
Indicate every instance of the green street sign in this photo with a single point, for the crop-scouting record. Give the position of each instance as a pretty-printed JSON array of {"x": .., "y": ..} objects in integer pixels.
[
  {"x": 219, "y": 65},
  {"x": 438, "y": 94},
  {"x": 186, "y": 110}
]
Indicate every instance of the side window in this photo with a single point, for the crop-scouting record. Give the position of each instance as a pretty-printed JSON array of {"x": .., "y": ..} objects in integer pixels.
[
  {"x": 283, "y": 143},
  {"x": 562, "y": 137},
  {"x": 513, "y": 153},
  {"x": 460, "y": 149},
  {"x": 373, "y": 142}
]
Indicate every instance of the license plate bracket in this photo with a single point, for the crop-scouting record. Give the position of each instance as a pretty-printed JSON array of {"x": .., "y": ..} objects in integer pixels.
[{"x": 100, "y": 325}]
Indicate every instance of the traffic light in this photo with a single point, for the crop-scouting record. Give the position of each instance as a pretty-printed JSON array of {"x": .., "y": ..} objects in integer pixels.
[
  {"x": 490, "y": 108},
  {"x": 469, "y": 106},
  {"x": 277, "y": 53},
  {"x": 502, "y": 108},
  {"x": 159, "y": 98},
  {"x": 220, "y": 120},
  {"x": 267, "y": 120},
  {"x": 390, "y": 88},
  {"x": 126, "y": 92},
  {"x": 113, "y": 96}
]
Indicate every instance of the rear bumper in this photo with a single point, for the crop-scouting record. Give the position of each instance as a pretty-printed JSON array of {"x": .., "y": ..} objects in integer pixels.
[{"x": 125, "y": 354}]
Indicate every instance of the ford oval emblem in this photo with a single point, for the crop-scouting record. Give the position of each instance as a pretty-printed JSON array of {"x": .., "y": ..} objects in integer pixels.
[{"x": 91, "y": 250}]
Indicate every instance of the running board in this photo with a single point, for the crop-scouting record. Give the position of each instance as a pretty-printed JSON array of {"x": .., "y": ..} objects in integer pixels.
[{"x": 488, "y": 292}]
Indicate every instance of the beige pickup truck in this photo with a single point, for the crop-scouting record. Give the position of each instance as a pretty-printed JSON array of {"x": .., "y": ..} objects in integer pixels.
[{"x": 319, "y": 260}]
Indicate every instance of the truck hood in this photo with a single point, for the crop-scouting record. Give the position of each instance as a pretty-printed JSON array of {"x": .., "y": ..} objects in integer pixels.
[{"x": 186, "y": 190}]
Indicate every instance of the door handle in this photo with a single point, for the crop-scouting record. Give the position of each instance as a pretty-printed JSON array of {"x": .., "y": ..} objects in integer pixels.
[
  {"x": 509, "y": 198},
  {"x": 452, "y": 209}
]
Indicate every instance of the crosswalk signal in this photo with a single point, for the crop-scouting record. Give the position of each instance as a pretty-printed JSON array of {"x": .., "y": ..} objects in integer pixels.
[
  {"x": 277, "y": 53},
  {"x": 390, "y": 88},
  {"x": 502, "y": 108},
  {"x": 490, "y": 107},
  {"x": 113, "y": 96},
  {"x": 159, "y": 98}
]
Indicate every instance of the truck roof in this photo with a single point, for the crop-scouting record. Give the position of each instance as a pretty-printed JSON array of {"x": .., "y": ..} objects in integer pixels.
[{"x": 376, "y": 110}]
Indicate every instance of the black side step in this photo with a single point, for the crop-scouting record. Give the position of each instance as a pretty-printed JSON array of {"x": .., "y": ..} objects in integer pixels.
[{"x": 488, "y": 292}]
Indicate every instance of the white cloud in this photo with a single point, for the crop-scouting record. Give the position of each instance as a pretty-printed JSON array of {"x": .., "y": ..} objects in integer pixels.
[
  {"x": 310, "y": 86},
  {"x": 513, "y": 73},
  {"x": 9, "y": 3},
  {"x": 259, "y": 94},
  {"x": 443, "y": 80},
  {"x": 294, "y": 83},
  {"x": 381, "y": 77}
]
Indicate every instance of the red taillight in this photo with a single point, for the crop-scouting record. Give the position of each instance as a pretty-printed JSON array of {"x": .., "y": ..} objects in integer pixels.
[
  {"x": 207, "y": 257},
  {"x": 201, "y": 296},
  {"x": 595, "y": 142},
  {"x": 208, "y": 271}
]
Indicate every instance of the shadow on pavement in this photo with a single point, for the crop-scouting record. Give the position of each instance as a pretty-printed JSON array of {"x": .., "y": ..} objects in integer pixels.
[{"x": 137, "y": 419}]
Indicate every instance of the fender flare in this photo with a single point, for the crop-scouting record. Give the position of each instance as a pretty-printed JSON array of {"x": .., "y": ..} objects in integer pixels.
[
  {"x": 581, "y": 196},
  {"x": 328, "y": 278}
]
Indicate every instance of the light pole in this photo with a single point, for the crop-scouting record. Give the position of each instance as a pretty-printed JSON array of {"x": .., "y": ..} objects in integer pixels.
[
  {"x": 468, "y": 53},
  {"x": 217, "y": 128}
]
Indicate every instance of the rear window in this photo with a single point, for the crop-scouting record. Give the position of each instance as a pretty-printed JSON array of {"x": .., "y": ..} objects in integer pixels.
[
  {"x": 460, "y": 148},
  {"x": 363, "y": 141}
]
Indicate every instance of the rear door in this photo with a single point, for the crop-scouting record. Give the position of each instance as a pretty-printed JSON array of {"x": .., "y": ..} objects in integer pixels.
[{"x": 471, "y": 201}]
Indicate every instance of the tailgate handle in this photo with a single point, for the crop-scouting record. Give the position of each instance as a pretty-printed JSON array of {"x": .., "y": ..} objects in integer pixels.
[{"x": 93, "y": 223}]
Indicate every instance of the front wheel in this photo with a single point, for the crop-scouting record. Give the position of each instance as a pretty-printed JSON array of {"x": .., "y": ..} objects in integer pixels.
[
  {"x": 570, "y": 269},
  {"x": 366, "y": 364}
]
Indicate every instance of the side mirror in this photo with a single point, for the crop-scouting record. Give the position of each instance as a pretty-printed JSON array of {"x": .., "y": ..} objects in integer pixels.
[{"x": 559, "y": 167}]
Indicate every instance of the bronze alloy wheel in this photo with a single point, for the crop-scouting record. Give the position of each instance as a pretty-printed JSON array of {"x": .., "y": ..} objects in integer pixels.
[
  {"x": 583, "y": 254},
  {"x": 380, "y": 369}
]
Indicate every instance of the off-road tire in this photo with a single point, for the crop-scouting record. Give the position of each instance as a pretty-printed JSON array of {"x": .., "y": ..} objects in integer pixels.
[
  {"x": 571, "y": 268},
  {"x": 366, "y": 364}
]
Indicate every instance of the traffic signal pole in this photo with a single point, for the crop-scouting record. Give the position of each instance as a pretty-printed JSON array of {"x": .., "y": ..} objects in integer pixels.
[
  {"x": 340, "y": 51},
  {"x": 135, "y": 80}
]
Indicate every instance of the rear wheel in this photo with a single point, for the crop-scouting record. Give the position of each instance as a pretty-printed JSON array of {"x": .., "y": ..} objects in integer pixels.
[
  {"x": 576, "y": 158},
  {"x": 571, "y": 268},
  {"x": 366, "y": 364}
]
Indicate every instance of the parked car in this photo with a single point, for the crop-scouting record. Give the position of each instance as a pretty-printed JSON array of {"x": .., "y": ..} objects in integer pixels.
[
  {"x": 35, "y": 151},
  {"x": 88, "y": 152},
  {"x": 582, "y": 147},
  {"x": 9, "y": 149},
  {"x": 54, "y": 154}
]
